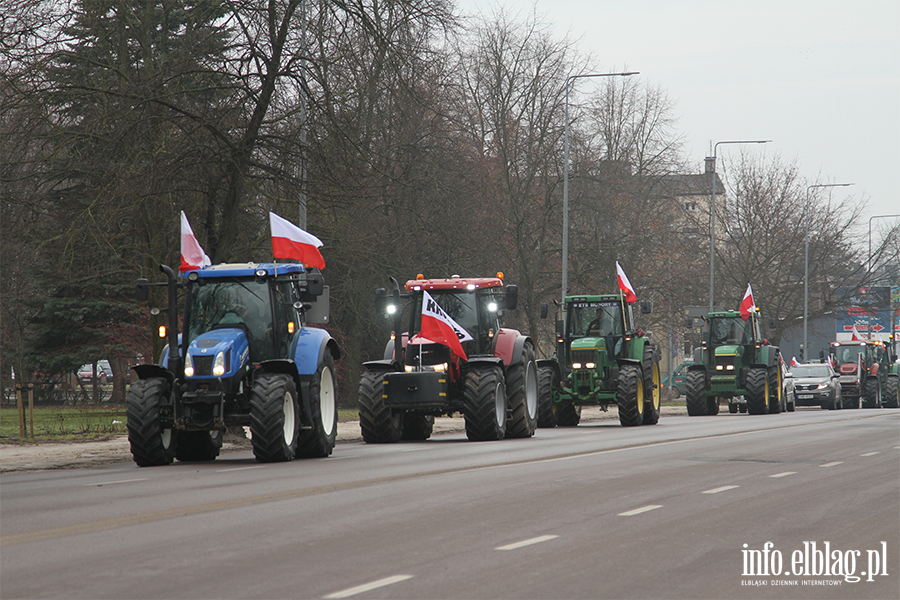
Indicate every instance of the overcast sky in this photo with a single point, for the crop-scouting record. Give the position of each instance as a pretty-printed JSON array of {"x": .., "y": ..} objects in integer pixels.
[{"x": 820, "y": 78}]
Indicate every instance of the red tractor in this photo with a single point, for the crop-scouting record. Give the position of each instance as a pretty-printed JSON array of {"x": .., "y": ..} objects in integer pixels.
[
  {"x": 494, "y": 385},
  {"x": 868, "y": 372}
]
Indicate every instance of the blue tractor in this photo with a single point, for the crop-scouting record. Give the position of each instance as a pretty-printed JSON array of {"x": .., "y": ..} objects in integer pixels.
[{"x": 245, "y": 357}]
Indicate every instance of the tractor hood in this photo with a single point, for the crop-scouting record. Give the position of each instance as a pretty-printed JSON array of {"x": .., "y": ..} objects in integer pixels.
[
  {"x": 588, "y": 343},
  {"x": 227, "y": 348},
  {"x": 728, "y": 350}
]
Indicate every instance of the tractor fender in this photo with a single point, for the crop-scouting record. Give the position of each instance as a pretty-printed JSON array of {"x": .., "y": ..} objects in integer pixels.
[
  {"x": 874, "y": 371},
  {"x": 482, "y": 361},
  {"x": 387, "y": 365},
  {"x": 309, "y": 350},
  {"x": 550, "y": 363},
  {"x": 150, "y": 371},
  {"x": 628, "y": 361},
  {"x": 389, "y": 350},
  {"x": 700, "y": 367},
  {"x": 509, "y": 346}
]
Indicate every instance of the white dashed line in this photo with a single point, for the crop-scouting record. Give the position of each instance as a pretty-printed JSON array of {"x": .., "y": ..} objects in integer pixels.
[
  {"x": 114, "y": 482},
  {"x": 524, "y": 543},
  {"x": 638, "y": 511},
  {"x": 832, "y": 464},
  {"x": 870, "y": 453},
  {"x": 785, "y": 474},
  {"x": 239, "y": 469},
  {"x": 724, "y": 488},
  {"x": 367, "y": 587}
]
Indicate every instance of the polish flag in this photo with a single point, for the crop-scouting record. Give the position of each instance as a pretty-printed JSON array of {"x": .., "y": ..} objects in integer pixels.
[
  {"x": 793, "y": 361},
  {"x": 856, "y": 335},
  {"x": 192, "y": 255},
  {"x": 625, "y": 285},
  {"x": 289, "y": 241},
  {"x": 747, "y": 304},
  {"x": 438, "y": 327}
]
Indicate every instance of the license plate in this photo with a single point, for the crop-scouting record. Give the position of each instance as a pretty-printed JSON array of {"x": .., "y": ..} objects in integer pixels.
[{"x": 805, "y": 396}]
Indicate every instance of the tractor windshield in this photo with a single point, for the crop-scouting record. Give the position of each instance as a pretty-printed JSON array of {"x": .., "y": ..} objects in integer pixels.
[
  {"x": 232, "y": 303},
  {"x": 477, "y": 311},
  {"x": 730, "y": 330},
  {"x": 849, "y": 354},
  {"x": 595, "y": 318}
]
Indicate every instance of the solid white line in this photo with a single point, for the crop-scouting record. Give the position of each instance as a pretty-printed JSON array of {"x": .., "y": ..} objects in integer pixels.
[
  {"x": 832, "y": 464},
  {"x": 638, "y": 511},
  {"x": 724, "y": 488},
  {"x": 785, "y": 474},
  {"x": 239, "y": 469},
  {"x": 114, "y": 482},
  {"x": 870, "y": 453},
  {"x": 367, "y": 587},
  {"x": 524, "y": 543}
]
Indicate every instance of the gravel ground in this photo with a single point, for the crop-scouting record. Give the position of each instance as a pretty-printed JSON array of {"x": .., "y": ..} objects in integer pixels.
[{"x": 78, "y": 455}]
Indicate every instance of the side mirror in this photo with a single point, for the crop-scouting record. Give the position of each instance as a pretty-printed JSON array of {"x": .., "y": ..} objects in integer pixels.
[
  {"x": 646, "y": 307},
  {"x": 315, "y": 284},
  {"x": 142, "y": 291},
  {"x": 512, "y": 297},
  {"x": 545, "y": 310}
]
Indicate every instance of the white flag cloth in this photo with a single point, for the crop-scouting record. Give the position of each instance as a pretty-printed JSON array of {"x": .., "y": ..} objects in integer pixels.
[
  {"x": 192, "y": 255},
  {"x": 289, "y": 241}
]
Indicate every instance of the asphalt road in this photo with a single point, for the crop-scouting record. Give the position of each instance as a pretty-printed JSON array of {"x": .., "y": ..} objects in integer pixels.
[{"x": 598, "y": 511}]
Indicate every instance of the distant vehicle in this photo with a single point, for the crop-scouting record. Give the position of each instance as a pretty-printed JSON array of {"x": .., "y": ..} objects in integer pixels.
[
  {"x": 816, "y": 384},
  {"x": 787, "y": 387},
  {"x": 104, "y": 372},
  {"x": 678, "y": 382}
]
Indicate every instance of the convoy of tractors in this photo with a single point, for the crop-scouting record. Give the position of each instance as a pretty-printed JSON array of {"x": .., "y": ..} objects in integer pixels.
[{"x": 240, "y": 352}]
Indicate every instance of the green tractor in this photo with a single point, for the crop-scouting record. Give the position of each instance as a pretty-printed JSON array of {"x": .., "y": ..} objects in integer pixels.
[
  {"x": 601, "y": 359},
  {"x": 734, "y": 363}
]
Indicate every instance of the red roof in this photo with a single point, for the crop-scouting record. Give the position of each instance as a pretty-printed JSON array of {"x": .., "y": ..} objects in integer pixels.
[{"x": 454, "y": 283}]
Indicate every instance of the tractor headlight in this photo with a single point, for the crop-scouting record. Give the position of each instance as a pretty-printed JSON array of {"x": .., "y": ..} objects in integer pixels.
[
  {"x": 576, "y": 365},
  {"x": 729, "y": 367},
  {"x": 719, "y": 367},
  {"x": 188, "y": 366},
  {"x": 589, "y": 365},
  {"x": 219, "y": 365}
]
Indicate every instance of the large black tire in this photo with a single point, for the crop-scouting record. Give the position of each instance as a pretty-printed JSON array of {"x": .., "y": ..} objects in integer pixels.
[
  {"x": 712, "y": 405},
  {"x": 891, "y": 396},
  {"x": 652, "y": 385},
  {"x": 197, "y": 446},
  {"x": 417, "y": 427},
  {"x": 567, "y": 413},
  {"x": 757, "y": 391},
  {"x": 776, "y": 402},
  {"x": 484, "y": 404},
  {"x": 151, "y": 445},
  {"x": 630, "y": 395},
  {"x": 695, "y": 394},
  {"x": 732, "y": 408},
  {"x": 522, "y": 395},
  {"x": 318, "y": 442},
  {"x": 871, "y": 393},
  {"x": 274, "y": 417},
  {"x": 849, "y": 402},
  {"x": 546, "y": 406},
  {"x": 379, "y": 424}
]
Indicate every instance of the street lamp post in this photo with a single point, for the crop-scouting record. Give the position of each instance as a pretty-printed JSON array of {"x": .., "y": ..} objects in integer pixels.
[
  {"x": 565, "y": 239},
  {"x": 869, "y": 277},
  {"x": 804, "y": 353},
  {"x": 711, "y": 168}
]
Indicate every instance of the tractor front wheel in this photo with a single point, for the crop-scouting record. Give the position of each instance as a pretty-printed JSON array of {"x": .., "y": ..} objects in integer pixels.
[
  {"x": 695, "y": 394},
  {"x": 522, "y": 392},
  {"x": 318, "y": 442},
  {"x": 546, "y": 406},
  {"x": 151, "y": 445},
  {"x": 891, "y": 397},
  {"x": 417, "y": 427},
  {"x": 652, "y": 387},
  {"x": 485, "y": 404},
  {"x": 274, "y": 417},
  {"x": 630, "y": 395},
  {"x": 198, "y": 446},
  {"x": 757, "y": 391},
  {"x": 872, "y": 393},
  {"x": 379, "y": 424}
]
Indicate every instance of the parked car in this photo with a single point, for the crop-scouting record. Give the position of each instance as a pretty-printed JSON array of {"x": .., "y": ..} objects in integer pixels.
[
  {"x": 104, "y": 372},
  {"x": 787, "y": 387},
  {"x": 678, "y": 382},
  {"x": 816, "y": 384}
]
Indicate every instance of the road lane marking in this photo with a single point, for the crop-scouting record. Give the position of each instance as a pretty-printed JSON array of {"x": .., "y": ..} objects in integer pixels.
[
  {"x": 239, "y": 469},
  {"x": 785, "y": 474},
  {"x": 368, "y": 587},
  {"x": 832, "y": 464},
  {"x": 114, "y": 482},
  {"x": 870, "y": 453},
  {"x": 523, "y": 543},
  {"x": 724, "y": 488},
  {"x": 638, "y": 511}
]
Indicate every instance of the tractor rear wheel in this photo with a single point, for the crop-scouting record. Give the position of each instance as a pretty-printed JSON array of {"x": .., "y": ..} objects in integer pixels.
[
  {"x": 757, "y": 391},
  {"x": 546, "y": 406},
  {"x": 151, "y": 445},
  {"x": 274, "y": 417},
  {"x": 871, "y": 393},
  {"x": 417, "y": 427},
  {"x": 484, "y": 397},
  {"x": 197, "y": 446},
  {"x": 630, "y": 395},
  {"x": 652, "y": 387},
  {"x": 891, "y": 397},
  {"x": 695, "y": 393},
  {"x": 522, "y": 393},
  {"x": 318, "y": 442},
  {"x": 379, "y": 424}
]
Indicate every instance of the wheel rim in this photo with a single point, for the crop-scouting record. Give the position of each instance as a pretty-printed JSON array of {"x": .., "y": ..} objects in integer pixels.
[
  {"x": 165, "y": 437},
  {"x": 640, "y": 396},
  {"x": 327, "y": 400},
  {"x": 531, "y": 392},
  {"x": 656, "y": 387},
  {"x": 500, "y": 405},
  {"x": 287, "y": 409}
]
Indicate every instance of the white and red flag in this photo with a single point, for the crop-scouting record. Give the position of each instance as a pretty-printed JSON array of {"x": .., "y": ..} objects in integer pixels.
[
  {"x": 793, "y": 361},
  {"x": 625, "y": 285},
  {"x": 289, "y": 241},
  {"x": 747, "y": 304},
  {"x": 440, "y": 328},
  {"x": 192, "y": 255},
  {"x": 856, "y": 335}
]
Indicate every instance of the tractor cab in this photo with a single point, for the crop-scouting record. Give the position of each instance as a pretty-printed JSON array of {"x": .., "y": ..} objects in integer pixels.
[{"x": 595, "y": 323}]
